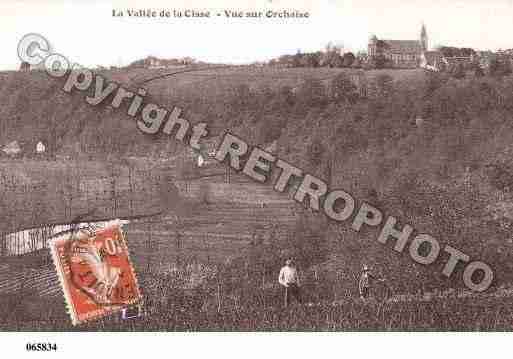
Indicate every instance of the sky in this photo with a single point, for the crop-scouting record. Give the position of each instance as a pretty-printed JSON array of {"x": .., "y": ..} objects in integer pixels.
[{"x": 86, "y": 32}]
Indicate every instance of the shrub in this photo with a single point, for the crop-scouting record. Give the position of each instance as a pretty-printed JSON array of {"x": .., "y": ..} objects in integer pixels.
[
  {"x": 458, "y": 71},
  {"x": 342, "y": 88},
  {"x": 348, "y": 59},
  {"x": 312, "y": 93}
]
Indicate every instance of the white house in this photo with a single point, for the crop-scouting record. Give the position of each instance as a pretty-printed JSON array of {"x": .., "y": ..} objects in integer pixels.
[
  {"x": 201, "y": 160},
  {"x": 40, "y": 147}
]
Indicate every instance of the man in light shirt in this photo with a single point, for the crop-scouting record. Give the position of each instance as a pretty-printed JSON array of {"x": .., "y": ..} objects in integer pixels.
[
  {"x": 364, "y": 283},
  {"x": 289, "y": 279}
]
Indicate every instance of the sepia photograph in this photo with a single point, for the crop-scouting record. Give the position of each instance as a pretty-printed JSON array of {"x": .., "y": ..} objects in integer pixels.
[{"x": 255, "y": 166}]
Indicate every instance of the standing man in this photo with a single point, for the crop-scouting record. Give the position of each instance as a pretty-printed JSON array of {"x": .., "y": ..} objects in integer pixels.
[
  {"x": 364, "y": 282},
  {"x": 289, "y": 279}
]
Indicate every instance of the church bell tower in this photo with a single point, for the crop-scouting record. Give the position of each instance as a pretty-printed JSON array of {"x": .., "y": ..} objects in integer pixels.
[{"x": 423, "y": 38}]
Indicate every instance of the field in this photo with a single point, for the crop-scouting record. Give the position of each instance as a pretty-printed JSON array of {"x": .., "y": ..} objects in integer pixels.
[
  {"x": 212, "y": 233},
  {"x": 264, "y": 75},
  {"x": 57, "y": 192},
  {"x": 220, "y": 81},
  {"x": 176, "y": 311}
]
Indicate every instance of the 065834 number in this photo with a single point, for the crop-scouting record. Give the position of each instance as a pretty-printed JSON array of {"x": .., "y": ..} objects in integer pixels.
[{"x": 41, "y": 347}]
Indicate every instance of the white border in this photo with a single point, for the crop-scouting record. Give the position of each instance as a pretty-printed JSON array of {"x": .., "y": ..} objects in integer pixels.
[{"x": 260, "y": 345}]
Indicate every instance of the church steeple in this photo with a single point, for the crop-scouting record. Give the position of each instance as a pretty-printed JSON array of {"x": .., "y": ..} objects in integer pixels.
[{"x": 424, "y": 38}]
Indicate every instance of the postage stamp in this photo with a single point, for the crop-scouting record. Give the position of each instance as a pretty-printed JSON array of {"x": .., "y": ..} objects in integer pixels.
[{"x": 95, "y": 271}]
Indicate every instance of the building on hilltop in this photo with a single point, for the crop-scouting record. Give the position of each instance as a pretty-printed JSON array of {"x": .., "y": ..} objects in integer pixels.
[
  {"x": 400, "y": 53},
  {"x": 416, "y": 53},
  {"x": 152, "y": 62}
]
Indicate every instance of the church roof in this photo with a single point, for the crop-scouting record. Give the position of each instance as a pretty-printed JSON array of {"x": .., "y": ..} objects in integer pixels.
[
  {"x": 423, "y": 31},
  {"x": 404, "y": 46}
]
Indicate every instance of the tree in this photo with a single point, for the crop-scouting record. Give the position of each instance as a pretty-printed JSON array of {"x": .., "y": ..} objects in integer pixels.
[
  {"x": 467, "y": 51},
  {"x": 281, "y": 101},
  {"x": 380, "y": 61},
  {"x": 383, "y": 86},
  {"x": 310, "y": 59},
  {"x": 342, "y": 88},
  {"x": 296, "y": 59},
  {"x": 458, "y": 71},
  {"x": 331, "y": 57},
  {"x": 316, "y": 151},
  {"x": 361, "y": 59},
  {"x": 307, "y": 243},
  {"x": 337, "y": 61},
  {"x": 451, "y": 51},
  {"x": 434, "y": 81},
  {"x": 287, "y": 60},
  {"x": 312, "y": 93},
  {"x": 357, "y": 64},
  {"x": 271, "y": 128},
  {"x": 500, "y": 66},
  {"x": 286, "y": 95},
  {"x": 348, "y": 59},
  {"x": 242, "y": 99},
  {"x": 478, "y": 72},
  {"x": 448, "y": 51}
]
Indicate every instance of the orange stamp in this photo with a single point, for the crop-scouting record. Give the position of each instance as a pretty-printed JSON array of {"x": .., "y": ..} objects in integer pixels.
[{"x": 95, "y": 272}]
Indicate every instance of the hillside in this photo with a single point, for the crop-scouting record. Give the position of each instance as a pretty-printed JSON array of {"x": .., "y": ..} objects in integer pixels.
[
  {"x": 35, "y": 108},
  {"x": 432, "y": 150}
]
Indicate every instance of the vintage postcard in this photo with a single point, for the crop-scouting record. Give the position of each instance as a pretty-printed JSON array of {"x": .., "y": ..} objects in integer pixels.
[{"x": 270, "y": 165}]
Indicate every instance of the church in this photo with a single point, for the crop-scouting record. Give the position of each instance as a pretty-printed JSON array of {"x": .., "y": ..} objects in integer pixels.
[{"x": 400, "y": 53}]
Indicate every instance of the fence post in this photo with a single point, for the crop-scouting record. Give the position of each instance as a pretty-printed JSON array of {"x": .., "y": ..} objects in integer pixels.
[
  {"x": 131, "y": 191},
  {"x": 148, "y": 260},
  {"x": 207, "y": 243},
  {"x": 227, "y": 176},
  {"x": 3, "y": 245},
  {"x": 218, "y": 292},
  {"x": 113, "y": 189}
]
